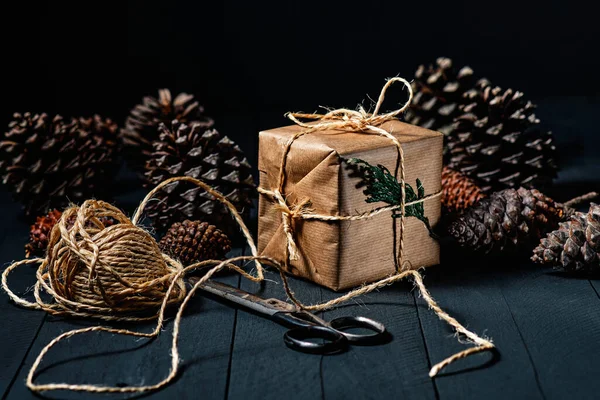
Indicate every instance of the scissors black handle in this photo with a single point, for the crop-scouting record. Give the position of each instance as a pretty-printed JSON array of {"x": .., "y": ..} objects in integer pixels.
[
  {"x": 306, "y": 327},
  {"x": 300, "y": 339}
]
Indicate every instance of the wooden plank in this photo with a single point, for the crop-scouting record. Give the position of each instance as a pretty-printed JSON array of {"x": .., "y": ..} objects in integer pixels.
[
  {"x": 398, "y": 369},
  {"x": 596, "y": 286},
  {"x": 20, "y": 325},
  {"x": 100, "y": 358},
  {"x": 559, "y": 320},
  {"x": 472, "y": 294},
  {"x": 262, "y": 366}
]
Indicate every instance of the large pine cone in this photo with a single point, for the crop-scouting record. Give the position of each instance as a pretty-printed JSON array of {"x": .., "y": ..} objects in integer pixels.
[
  {"x": 48, "y": 163},
  {"x": 439, "y": 90},
  {"x": 510, "y": 220},
  {"x": 498, "y": 142},
  {"x": 575, "y": 245},
  {"x": 458, "y": 191},
  {"x": 206, "y": 155},
  {"x": 141, "y": 127},
  {"x": 193, "y": 241}
]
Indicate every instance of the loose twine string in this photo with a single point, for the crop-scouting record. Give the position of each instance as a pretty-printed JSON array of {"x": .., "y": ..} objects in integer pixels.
[{"x": 118, "y": 273}]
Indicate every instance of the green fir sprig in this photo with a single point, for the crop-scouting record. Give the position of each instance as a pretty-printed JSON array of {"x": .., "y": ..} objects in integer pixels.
[{"x": 382, "y": 186}]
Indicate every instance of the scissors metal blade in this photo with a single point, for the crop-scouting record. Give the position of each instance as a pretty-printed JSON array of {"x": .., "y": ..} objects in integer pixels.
[{"x": 237, "y": 296}]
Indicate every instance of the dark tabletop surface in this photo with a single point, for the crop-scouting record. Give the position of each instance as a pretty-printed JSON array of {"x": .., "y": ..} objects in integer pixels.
[{"x": 546, "y": 326}]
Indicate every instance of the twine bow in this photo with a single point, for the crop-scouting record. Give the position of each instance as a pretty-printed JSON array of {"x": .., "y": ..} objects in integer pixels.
[{"x": 356, "y": 120}]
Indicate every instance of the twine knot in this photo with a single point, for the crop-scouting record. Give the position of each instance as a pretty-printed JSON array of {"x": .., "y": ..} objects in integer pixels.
[{"x": 288, "y": 215}]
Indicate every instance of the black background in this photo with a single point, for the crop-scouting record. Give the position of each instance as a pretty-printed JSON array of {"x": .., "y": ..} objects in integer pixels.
[{"x": 250, "y": 61}]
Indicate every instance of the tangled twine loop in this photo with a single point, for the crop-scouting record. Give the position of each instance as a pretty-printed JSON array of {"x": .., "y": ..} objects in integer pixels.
[
  {"x": 118, "y": 273},
  {"x": 96, "y": 269},
  {"x": 356, "y": 120}
]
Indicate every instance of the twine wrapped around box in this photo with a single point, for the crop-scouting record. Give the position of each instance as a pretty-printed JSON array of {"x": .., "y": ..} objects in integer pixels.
[
  {"x": 311, "y": 206},
  {"x": 117, "y": 273}
]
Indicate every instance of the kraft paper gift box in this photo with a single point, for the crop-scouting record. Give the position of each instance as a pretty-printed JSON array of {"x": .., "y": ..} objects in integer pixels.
[{"x": 344, "y": 254}]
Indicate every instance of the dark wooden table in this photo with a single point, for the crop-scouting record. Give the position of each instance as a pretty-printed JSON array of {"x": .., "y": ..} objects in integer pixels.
[{"x": 546, "y": 327}]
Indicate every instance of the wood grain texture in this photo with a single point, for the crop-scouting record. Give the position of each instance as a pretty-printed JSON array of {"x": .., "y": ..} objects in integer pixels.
[
  {"x": 20, "y": 326},
  {"x": 472, "y": 295},
  {"x": 394, "y": 370},
  {"x": 560, "y": 324},
  {"x": 262, "y": 366}
]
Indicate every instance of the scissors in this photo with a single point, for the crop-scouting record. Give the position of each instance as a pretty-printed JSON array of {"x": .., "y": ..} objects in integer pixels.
[{"x": 305, "y": 326}]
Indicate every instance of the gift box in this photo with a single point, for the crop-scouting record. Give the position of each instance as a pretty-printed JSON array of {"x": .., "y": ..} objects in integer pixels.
[{"x": 346, "y": 253}]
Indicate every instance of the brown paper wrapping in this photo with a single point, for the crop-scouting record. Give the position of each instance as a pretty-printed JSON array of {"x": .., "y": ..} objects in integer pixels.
[{"x": 344, "y": 254}]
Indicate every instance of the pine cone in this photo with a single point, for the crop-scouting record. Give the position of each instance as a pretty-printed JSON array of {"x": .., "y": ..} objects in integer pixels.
[
  {"x": 498, "y": 142},
  {"x": 141, "y": 127},
  {"x": 50, "y": 162},
  {"x": 193, "y": 241},
  {"x": 206, "y": 155},
  {"x": 439, "y": 91},
  {"x": 39, "y": 233},
  {"x": 510, "y": 220},
  {"x": 575, "y": 245},
  {"x": 458, "y": 191}
]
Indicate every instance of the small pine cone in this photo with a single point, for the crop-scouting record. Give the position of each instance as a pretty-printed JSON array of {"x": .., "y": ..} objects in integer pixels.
[
  {"x": 193, "y": 241},
  {"x": 439, "y": 92},
  {"x": 141, "y": 127},
  {"x": 575, "y": 245},
  {"x": 510, "y": 220},
  {"x": 39, "y": 233},
  {"x": 458, "y": 191}
]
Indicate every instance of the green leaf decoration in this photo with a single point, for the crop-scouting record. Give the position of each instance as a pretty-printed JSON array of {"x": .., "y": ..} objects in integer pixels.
[{"x": 381, "y": 185}]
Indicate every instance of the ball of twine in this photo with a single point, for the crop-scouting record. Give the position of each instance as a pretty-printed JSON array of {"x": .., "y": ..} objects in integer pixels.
[{"x": 115, "y": 272}]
